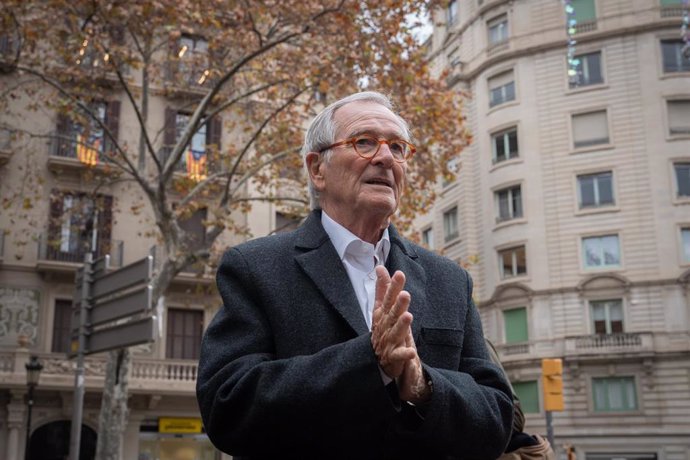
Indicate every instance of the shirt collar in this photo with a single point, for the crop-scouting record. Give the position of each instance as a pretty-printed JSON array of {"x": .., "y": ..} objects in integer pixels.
[{"x": 342, "y": 237}]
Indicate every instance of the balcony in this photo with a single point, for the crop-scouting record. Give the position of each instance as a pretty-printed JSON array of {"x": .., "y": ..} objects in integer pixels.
[
  {"x": 54, "y": 256},
  {"x": 604, "y": 346},
  {"x": 607, "y": 344},
  {"x": 672, "y": 11},
  {"x": 67, "y": 155},
  {"x": 586, "y": 26},
  {"x": 147, "y": 375}
]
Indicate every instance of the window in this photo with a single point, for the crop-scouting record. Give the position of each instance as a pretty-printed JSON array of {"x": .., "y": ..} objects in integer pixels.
[
  {"x": 515, "y": 325},
  {"x": 501, "y": 88},
  {"x": 588, "y": 68},
  {"x": 452, "y": 11},
  {"x": 62, "y": 326},
  {"x": 450, "y": 224},
  {"x": 193, "y": 60},
  {"x": 508, "y": 204},
  {"x": 512, "y": 262},
  {"x": 685, "y": 241},
  {"x": 498, "y": 30},
  {"x": 528, "y": 394},
  {"x": 428, "y": 237},
  {"x": 194, "y": 161},
  {"x": 601, "y": 251},
  {"x": 78, "y": 224},
  {"x": 82, "y": 137},
  {"x": 682, "y": 179},
  {"x": 595, "y": 190},
  {"x": 584, "y": 10},
  {"x": 678, "y": 116},
  {"x": 672, "y": 56},
  {"x": 614, "y": 394},
  {"x": 505, "y": 145},
  {"x": 590, "y": 129},
  {"x": 607, "y": 316},
  {"x": 183, "y": 335}
]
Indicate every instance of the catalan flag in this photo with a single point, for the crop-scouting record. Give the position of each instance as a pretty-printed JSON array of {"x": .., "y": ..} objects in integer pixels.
[
  {"x": 87, "y": 150},
  {"x": 196, "y": 164}
]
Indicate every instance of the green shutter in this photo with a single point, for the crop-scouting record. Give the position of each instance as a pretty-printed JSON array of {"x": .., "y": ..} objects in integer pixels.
[
  {"x": 515, "y": 321},
  {"x": 584, "y": 10},
  {"x": 671, "y": 2},
  {"x": 528, "y": 394},
  {"x": 614, "y": 394}
]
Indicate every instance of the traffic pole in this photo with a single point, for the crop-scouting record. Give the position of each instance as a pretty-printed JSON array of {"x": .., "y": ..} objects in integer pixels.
[{"x": 78, "y": 403}]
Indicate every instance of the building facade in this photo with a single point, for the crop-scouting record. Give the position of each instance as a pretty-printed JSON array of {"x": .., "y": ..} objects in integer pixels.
[
  {"x": 51, "y": 217},
  {"x": 571, "y": 209}
]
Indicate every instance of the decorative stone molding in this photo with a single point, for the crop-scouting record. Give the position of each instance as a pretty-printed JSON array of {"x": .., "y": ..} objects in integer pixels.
[{"x": 19, "y": 309}]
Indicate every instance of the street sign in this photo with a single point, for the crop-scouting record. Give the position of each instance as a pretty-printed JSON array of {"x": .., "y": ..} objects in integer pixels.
[
  {"x": 111, "y": 310},
  {"x": 136, "y": 273},
  {"x": 129, "y": 304},
  {"x": 118, "y": 295},
  {"x": 124, "y": 335}
]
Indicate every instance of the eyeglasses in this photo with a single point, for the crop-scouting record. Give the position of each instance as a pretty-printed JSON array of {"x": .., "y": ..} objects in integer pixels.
[{"x": 368, "y": 146}]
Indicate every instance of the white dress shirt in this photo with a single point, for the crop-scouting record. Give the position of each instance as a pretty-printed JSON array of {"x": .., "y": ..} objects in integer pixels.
[{"x": 360, "y": 259}]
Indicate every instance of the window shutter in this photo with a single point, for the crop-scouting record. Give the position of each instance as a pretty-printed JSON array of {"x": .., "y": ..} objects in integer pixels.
[
  {"x": 679, "y": 117},
  {"x": 169, "y": 133},
  {"x": 501, "y": 80},
  {"x": 213, "y": 136},
  {"x": 54, "y": 224},
  {"x": 112, "y": 121},
  {"x": 105, "y": 223},
  {"x": 584, "y": 10},
  {"x": 590, "y": 129},
  {"x": 64, "y": 136},
  {"x": 515, "y": 325}
]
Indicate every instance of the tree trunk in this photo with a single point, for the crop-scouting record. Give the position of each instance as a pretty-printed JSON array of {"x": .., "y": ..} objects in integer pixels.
[{"x": 114, "y": 410}]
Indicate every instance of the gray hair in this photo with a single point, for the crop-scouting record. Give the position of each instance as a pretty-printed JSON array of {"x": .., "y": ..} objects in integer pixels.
[{"x": 321, "y": 132}]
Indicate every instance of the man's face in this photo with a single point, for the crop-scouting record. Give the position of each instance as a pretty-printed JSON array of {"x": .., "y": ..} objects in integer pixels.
[{"x": 352, "y": 187}]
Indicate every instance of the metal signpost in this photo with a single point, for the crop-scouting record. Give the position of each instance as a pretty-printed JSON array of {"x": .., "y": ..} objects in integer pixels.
[
  {"x": 111, "y": 310},
  {"x": 552, "y": 384}
]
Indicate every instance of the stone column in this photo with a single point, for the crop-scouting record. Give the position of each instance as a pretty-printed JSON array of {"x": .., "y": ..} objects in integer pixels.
[
  {"x": 130, "y": 438},
  {"x": 16, "y": 423}
]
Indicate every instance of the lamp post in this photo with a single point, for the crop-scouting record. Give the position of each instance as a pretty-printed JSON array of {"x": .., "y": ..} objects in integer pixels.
[{"x": 33, "y": 373}]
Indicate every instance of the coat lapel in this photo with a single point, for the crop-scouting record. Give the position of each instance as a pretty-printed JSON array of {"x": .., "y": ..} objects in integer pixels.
[
  {"x": 403, "y": 257},
  {"x": 319, "y": 260}
]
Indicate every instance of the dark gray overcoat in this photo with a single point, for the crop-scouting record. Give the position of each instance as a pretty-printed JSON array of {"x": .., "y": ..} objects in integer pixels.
[{"x": 287, "y": 368}]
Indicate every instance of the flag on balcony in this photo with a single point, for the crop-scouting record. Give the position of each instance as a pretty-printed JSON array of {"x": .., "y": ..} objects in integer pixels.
[
  {"x": 87, "y": 150},
  {"x": 196, "y": 164}
]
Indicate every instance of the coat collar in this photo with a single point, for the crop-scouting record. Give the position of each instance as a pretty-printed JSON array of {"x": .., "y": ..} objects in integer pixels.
[{"x": 319, "y": 260}]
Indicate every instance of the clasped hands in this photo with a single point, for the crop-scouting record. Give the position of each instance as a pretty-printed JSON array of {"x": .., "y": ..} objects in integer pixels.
[{"x": 391, "y": 337}]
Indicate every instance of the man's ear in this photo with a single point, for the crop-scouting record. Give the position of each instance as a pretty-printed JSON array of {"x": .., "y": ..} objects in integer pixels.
[{"x": 315, "y": 165}]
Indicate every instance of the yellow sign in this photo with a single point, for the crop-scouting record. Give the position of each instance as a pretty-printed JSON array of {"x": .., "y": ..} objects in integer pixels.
[
  {"x": 179, "y": 425},
  {"x": 552, "y": 383}
]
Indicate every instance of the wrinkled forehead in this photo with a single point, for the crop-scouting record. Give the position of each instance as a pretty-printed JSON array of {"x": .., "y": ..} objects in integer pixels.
[{"x": 368, "y": 117}]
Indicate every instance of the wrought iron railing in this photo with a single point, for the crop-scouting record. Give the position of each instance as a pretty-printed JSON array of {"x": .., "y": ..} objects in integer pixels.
[
  {"x": 65, "y": 145},
  {"x": 50, "y": 247}
]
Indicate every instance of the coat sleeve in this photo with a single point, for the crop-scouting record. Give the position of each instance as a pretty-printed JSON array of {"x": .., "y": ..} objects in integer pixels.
[
  {"x": 470, "y": 412},
  {"x": 253, "y": 403}
]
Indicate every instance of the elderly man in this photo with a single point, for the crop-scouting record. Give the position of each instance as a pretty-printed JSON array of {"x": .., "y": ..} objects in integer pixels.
[{"x": 318, "y": 352}]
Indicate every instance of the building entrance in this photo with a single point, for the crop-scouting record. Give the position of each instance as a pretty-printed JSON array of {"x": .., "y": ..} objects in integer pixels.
[{"x": 51, "y": 442}]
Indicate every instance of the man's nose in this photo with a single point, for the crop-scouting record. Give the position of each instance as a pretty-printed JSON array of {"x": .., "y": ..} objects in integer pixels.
[{"x": 384, "y": 157}]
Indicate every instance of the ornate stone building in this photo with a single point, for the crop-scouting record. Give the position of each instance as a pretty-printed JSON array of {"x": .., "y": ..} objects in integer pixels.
[
  {"x": 48, "y": 220},
  {"x": 572, "y": 209}
]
